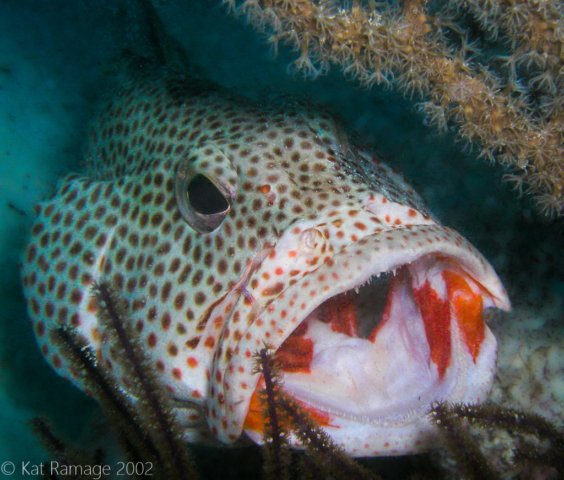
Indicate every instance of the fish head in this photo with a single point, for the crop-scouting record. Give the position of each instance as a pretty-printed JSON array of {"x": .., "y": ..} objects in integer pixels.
[{"x": 227, "y": 226}]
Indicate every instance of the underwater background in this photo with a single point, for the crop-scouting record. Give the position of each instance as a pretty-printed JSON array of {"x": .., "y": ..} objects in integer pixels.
[{"x": 55, "y": 59}]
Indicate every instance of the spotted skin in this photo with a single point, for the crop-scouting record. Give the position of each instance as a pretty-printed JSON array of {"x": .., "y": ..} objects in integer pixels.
[{"x": 313, "y": 215}]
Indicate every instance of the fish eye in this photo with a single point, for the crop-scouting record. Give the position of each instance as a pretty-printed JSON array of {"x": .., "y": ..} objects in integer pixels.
[{"x": 203, "y": 198}]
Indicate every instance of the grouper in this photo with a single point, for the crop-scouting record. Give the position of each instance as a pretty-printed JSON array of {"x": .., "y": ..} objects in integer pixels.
[{"x": 227, "y": 225}]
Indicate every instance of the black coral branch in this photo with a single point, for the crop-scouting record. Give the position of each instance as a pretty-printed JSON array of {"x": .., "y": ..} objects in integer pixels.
[
  {"x": 536, "y": 442},
  {"x": 143, "y": 418},
  {"x": 324, "y": 459}
]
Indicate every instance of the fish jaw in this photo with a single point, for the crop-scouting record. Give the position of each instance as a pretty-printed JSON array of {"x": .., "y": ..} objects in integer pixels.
[{"x": 435, "y": 270}]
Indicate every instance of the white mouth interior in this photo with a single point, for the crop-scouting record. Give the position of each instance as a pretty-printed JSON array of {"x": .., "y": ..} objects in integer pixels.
[{"x": 387, "y": 378}]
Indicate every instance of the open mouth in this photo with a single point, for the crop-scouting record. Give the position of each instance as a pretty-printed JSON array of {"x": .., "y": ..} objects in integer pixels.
[
  {"x": 383, "y": 351},
  {"x": 375, "y": 335}
]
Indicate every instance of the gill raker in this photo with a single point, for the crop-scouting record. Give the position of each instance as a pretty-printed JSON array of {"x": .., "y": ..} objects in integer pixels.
[{"x": 226, "y": 225}]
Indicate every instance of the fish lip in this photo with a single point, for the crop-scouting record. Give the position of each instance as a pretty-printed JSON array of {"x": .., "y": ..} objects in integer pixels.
[
  {"x": 371, "y": 255},
  {"x": 387, "y": 251}
]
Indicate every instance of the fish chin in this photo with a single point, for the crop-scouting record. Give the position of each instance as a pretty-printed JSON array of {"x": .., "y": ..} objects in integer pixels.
[{"x": 396, "y": 331}]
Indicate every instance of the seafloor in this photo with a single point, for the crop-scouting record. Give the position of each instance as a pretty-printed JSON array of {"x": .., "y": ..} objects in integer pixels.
[{"x": 55, "y": 57}]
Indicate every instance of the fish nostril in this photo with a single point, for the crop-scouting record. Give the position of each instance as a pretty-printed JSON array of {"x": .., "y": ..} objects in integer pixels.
[{"x": 310, "y": 238}]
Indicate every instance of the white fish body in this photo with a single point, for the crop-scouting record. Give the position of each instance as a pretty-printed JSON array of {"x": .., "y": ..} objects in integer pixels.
[{"x": 227, "y": 225}]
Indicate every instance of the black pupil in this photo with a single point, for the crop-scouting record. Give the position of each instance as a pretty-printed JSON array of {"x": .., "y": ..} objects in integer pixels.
[{"x": 205, "y": 197}]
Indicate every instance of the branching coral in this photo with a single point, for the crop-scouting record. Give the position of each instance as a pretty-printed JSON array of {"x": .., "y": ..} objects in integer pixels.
[
  {"x": 537, "y": 444},
  {"x": 284, "y": 415},
  {"x": 143, "y": 419},
  {"x": 149, "y": 432},
  {"x": 147, "y": 428},
  {"x": 515, "y": 117},
  {"x": 78, "y": 464}
]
